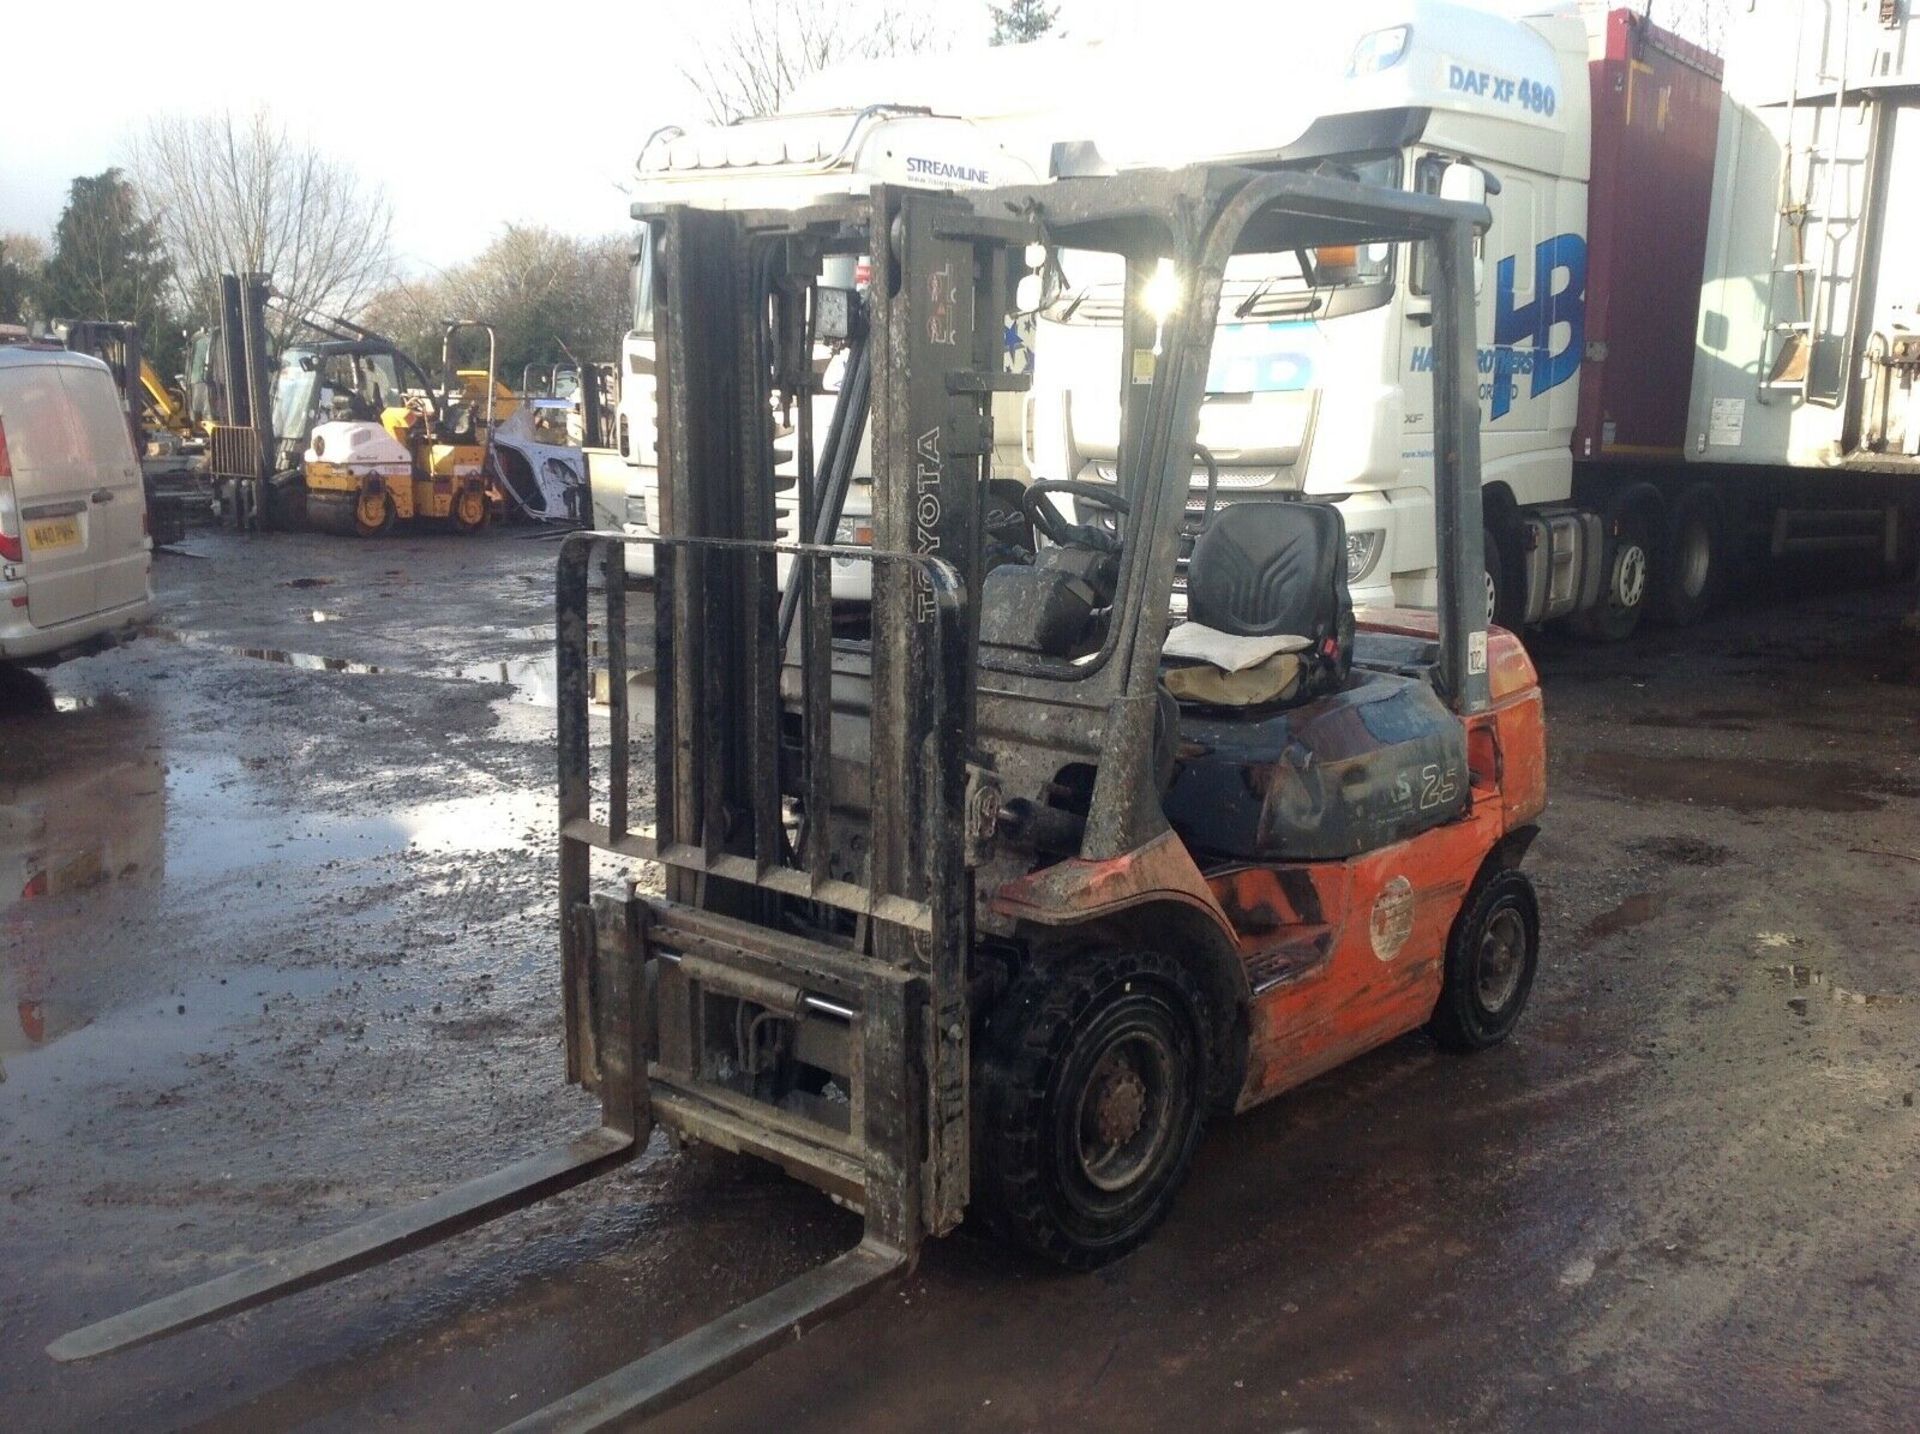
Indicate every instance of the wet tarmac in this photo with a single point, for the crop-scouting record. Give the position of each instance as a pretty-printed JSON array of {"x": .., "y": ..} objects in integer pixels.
[{"x": 277, "y": 948}]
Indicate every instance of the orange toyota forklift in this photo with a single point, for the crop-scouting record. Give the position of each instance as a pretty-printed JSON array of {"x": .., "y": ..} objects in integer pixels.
[{"x": 985, "y": 912}]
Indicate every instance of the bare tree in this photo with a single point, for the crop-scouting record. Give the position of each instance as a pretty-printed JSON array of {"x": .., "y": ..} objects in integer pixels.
[
  {"x": 238, "y": 195},
  {"x": 545, "y": 293},
  {"x": 757, "y": 51},
  {"x": 1702, "y": 21}
]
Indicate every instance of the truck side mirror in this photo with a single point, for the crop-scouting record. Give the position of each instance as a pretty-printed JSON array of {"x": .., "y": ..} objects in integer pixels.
[{"x": 1467, "y": 182}]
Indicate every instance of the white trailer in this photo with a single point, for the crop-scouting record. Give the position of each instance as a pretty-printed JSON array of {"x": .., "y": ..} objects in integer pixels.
[{"x": 1809, "y": 324}]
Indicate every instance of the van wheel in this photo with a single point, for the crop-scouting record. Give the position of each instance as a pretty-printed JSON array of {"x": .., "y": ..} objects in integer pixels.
[
  {"x": 1693, "y": 558},
  {"x": 373, "y": 515},
  {"x": 1492, "y": 954},
  {"x": 1623, "y": 595},
  {"x": 22, "y": 693},
  {"x": 1090, "y": 1090}
]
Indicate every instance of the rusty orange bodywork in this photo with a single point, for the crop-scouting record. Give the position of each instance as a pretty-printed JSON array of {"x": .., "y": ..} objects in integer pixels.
[
  {"x": 1071, "y": 892},
  {"x": 1338, "y": 956}
]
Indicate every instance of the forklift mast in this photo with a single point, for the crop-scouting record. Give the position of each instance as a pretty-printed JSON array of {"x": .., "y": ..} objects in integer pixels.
[
  {"x": 241, "y": 448},
  {"x": 852, "y": 830}
]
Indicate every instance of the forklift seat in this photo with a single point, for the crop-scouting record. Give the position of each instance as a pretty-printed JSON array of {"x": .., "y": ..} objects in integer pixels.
[{"x": 1262, "y": 568}]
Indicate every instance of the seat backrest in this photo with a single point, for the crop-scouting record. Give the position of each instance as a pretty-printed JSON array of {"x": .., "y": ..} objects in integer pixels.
[{"x": 1265, "y": 567}]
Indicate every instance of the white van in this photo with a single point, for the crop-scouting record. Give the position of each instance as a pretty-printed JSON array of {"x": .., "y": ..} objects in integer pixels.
[{"x": 75, "y": 559}]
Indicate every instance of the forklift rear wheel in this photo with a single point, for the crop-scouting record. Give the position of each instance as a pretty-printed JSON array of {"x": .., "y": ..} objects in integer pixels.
[
  {"x": 1491, "y": 958},
  {"x": 469, "y": 511},
  {"x": 1090, "y": 1091},
  {"x": 373, "y": 515}
]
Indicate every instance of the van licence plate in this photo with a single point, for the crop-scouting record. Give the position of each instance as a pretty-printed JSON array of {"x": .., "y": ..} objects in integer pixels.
[{"x": 50, "y": 535}]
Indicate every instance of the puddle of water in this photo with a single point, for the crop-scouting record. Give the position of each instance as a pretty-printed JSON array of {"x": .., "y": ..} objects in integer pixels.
[
  {"x": 1795, "y": 976},
  {"x": 534, "y": 679},
  {"x": 1752, "y": 784},
  {"x": 107, "y": 838},
  {"x": 1636, "y": 910},
  {"x": 1713, "y": 719},
  {"x": 1684, "y": 851},
  {"x": 220, "y": 826}
]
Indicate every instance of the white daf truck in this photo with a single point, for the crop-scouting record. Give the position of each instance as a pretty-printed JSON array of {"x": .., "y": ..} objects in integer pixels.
[{"x": 1593, "y": 134}]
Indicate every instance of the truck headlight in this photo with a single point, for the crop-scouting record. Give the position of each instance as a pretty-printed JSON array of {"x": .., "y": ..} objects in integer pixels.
[
  {"x": 1363, "y": 552},
  {"x": 636, "y": 510}
]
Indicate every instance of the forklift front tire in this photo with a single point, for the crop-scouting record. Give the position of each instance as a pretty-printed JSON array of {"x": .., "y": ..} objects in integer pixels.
[
  {"x": 1491, "y": 958},
  {"x": 1091, "y": 1088}
]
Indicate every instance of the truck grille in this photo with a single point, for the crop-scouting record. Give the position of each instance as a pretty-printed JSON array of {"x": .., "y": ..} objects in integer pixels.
[{"x": 1095, "y": 516}]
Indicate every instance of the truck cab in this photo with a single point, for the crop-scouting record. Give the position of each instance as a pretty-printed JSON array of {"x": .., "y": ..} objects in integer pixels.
[
  {"x": 805, "y": 156},
  {"x": 1320, "y": 384}
]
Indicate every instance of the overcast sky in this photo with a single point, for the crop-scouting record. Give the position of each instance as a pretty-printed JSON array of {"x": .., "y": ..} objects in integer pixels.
[{"x": 405, "y": 93}]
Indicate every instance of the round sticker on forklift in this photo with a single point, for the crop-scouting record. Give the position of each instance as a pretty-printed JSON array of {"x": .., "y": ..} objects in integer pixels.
[{"x": 1392, "y": 921}]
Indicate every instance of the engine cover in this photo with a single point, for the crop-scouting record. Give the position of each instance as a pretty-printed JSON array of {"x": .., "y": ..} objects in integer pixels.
[
  {"x": 1376, "y": 762},
  {"x": 360, "y": 448}
]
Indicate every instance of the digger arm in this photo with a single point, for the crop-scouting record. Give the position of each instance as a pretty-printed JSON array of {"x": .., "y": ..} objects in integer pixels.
[{"x": 165, "y": 407}]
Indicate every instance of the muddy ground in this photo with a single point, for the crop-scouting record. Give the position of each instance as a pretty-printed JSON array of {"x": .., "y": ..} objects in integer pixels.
[{"x": 283, "y": 953}]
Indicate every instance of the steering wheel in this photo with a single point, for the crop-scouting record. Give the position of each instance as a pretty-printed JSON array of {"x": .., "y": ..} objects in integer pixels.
[{"x": 1048, "y": 519}]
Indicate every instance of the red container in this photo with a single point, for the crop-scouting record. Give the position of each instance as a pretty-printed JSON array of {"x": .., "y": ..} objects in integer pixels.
[{"x": 1656, "y": 110}]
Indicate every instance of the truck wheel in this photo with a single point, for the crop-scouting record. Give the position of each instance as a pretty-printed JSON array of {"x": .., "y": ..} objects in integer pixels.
[
  {"x": 1089, "y": 1099},
  {"x": 1692, "y": 559},
  {"x": 1491, "y": 957},
  {"x": 1623, "y": 595},
  {"x": 1506, "y": 588}
]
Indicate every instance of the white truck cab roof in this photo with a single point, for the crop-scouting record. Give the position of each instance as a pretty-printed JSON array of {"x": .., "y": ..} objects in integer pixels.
[{"x": 987, "y": 117}]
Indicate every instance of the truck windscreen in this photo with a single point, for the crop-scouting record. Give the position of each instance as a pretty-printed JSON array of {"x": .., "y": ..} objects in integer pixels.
[{"x": 1317, "y": 283}]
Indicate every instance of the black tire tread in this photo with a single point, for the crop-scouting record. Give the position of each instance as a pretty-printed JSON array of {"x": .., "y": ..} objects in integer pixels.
[
  {"x": 1671, "y": 607},
  {"x": 1602, "y": 624},
  {"x": 1455, "y": 1023},
  {"x": 1027, "y": 1034},
  {"x": 1501, "y": 545}
]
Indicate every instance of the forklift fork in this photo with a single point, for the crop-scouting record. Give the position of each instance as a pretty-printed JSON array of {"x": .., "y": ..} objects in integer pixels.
[
  {"x": 607, "y": 943},
  {"x": 763, "y": 737},
  {"x": 615, "y": 1016}
]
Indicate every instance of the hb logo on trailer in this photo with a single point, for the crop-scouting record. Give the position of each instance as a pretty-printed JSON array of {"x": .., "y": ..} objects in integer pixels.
[{"x": 1524, "y": 336}]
